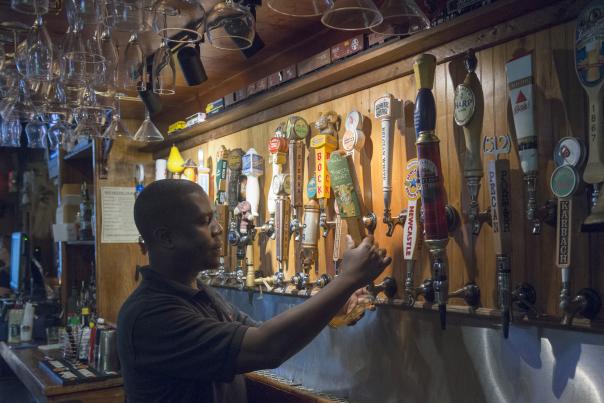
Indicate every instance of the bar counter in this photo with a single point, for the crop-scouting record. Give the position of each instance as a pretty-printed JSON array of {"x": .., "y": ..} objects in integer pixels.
[{"x": 25, "y": 364}]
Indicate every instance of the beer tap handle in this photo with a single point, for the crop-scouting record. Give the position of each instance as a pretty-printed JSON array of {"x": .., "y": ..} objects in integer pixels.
[
  {"x": 470, "y": 294},
  {"x": 586, "y": 303},
  {"x": 387, "y": 286},
  {"x": 426, "y": 289},
  {"x": 346, "y": 195},
  {"x": 524, "y": 297},
  {"x": 519, "y": 72},
  {"x": 469, "y": 111},
  {"x": 589, "y": 55},
  {"x": 384, "y": 109},
  {"x": 431, "y": 179}
]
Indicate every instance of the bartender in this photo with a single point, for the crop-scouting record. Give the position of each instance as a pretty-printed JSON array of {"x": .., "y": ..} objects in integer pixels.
[{"x": 180, "y": 341}]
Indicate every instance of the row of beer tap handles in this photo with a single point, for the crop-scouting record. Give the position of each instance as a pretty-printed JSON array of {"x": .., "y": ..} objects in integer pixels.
[{"x": 333, "y": 173}]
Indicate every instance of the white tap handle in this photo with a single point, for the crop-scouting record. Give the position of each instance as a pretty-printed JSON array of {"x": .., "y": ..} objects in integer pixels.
[{"x": 383, "y": 111}]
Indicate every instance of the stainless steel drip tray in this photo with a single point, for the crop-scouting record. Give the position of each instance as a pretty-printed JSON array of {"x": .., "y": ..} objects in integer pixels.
[{"x": 395, "y": 355}]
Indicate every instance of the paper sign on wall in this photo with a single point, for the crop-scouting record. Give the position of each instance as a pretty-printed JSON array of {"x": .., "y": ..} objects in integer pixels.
[{"x": 118, "y": 215}]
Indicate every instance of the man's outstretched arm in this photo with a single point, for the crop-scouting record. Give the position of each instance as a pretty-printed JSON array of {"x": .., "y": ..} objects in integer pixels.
[{"x": 277, "y": 339}]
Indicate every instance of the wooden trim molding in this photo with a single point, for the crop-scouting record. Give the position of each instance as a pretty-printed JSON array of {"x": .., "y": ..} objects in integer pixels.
[{"x": 502, "y": 21}]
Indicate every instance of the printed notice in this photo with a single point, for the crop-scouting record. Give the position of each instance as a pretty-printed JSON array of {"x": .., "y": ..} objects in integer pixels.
[{"x": 118, "y": 215}]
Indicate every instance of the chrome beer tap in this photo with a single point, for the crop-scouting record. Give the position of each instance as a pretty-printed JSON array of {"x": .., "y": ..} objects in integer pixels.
[
  {"x": 520, "y": 84},
  {"x": 431, "y": 180},
  {"x": 387, "y": 109},
  {"x": 469, "y": 112},
  {"x": 296, "y": 130},
  {"x": 565, "y": 183},
  {"x": 588, "y": 61}
]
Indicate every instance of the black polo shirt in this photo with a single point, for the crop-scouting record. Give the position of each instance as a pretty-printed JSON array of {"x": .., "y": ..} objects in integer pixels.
[{"x": 179, "y": 344}]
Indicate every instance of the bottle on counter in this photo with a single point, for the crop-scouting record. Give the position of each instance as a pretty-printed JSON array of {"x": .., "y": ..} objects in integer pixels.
[
  {"x": 85, "y": 230},
  {"x": 27, "y": 323},
  {"x": 84, "y": 336}
]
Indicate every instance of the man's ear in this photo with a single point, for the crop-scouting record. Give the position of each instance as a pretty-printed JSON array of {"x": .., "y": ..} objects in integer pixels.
[{"x": 163, "y": 237}]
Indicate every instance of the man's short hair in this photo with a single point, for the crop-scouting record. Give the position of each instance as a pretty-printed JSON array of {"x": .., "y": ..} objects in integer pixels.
[{"x": 160, "y": 203}]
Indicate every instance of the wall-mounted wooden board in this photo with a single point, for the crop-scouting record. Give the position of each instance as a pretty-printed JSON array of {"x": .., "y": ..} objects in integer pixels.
[{"x": 560, "y": 112}]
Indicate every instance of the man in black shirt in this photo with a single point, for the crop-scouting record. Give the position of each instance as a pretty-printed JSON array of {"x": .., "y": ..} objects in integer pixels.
[{"x": 178, "y": 340}]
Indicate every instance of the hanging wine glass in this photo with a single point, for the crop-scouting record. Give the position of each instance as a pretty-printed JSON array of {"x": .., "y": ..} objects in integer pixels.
[
  {"x": 231, "y": 26},
  {"x": 39, "y": 61},
  {"x": 164, "y": 72},
  {"x": 11, "y": 131},
  {"x": 9, "y": 78},
  {"x": 88, "y": 114},
  {"x": 179, "y": 21},
  {"x": 20, "y": 105},
  {"x": 72, "y": 69},
  {"x": 116, "y": 128},
  {"x": 56, "y": 101},
  {"x": 21, "y": 58},
  {"x": 133, "y": 67},
  {"x": 109, "y": 52},
  {"x": 88, "y": 11},
  {"x": 2, "y": 56},
  {"x": 352, "y": 15},
  {"x": 37, "y": 133},
  {"x": 58, "y": 131},
  {"x": 300, "y": 8},
  {"x": 147, "y": 132},
  {"x": 401, "y": 17},
  {"x": 37, "y": 7},
  {"x": 128, "y": 16}
]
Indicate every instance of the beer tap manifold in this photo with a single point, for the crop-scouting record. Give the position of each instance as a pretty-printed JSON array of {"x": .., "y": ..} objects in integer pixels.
[
  {"x": 387, "y": 109},
  {"x": 565, "y": 182},
  {"x": 520, "y": 88},
  {"x": 324, "y": 144},
  {"x": 431, "y": 180},
  {"x": 589, "y": 64},
  {"x": 469, "y": 111}
]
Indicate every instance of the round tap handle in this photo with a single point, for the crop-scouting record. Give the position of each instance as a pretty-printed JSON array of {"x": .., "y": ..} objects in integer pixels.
[
  {"x": 586, "y": 303},
  {"x": 426, "y": 289},
  {"x": 387, "y": 286},
  {"x": 525, "y": 297},
  {"x": 470, "y": 294}
]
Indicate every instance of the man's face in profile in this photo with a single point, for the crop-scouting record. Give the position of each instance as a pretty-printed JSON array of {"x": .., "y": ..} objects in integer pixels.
[{"x": 196, "y": 234}]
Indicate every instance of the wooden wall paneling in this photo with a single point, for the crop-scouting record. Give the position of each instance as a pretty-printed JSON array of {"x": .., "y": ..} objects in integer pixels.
[
  {"x": 116, "y": 263},
  {"x": 498, "y": 109},
  {"x": 452, "y": 167},
  {"x": 560, "y": 111}
]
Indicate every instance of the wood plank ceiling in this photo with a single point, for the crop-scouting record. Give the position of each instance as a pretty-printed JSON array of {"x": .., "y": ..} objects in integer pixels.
[{"x": 287, "y": 40}]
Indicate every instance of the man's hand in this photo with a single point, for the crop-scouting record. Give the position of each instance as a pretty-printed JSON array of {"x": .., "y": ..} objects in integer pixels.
[{"x": 365, "y": 262}]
